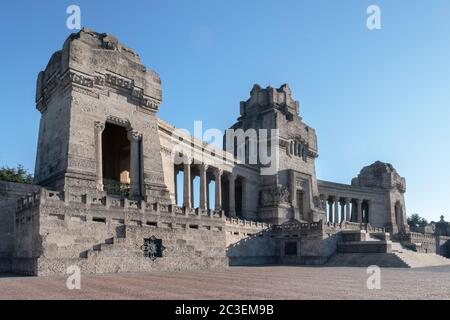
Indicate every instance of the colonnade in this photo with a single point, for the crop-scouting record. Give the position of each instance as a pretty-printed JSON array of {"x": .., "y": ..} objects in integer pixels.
[
  {"x": 207, "y": 173},
  {"x": 339, "y": 209}
]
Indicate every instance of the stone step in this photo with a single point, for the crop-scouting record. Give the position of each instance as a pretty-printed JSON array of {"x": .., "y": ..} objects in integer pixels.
[
  {"x": 383, "y": 260},
  {"x": 400, "y": 258},
  {"x": 419, "y": 260}
]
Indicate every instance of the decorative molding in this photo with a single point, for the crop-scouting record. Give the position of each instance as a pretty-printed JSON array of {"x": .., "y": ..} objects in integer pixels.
[
  {"x": 90, "y": 84},
  {"x": 99, "y": 126},
  {"x": 134, "y": 135},
  {"x": 119, "y": 121}
]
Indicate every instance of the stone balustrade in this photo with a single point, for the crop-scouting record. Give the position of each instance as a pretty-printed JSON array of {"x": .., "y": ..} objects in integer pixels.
[
  {"x": 299, "y": 226},
  {"x": 347, "y": 225},
  {"x": 248, "y": 223},
  {"x": 31, "y": 200},
  {"x": 111, "y": 202}
]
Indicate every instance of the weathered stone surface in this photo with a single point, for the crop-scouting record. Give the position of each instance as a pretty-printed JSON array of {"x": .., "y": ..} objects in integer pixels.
[{"x": 106, "y": 181}]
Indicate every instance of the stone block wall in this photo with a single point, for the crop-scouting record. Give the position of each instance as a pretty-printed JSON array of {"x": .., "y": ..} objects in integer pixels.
[
  {"x": 105, "y": 234},
  {"x": 10, "y": 192},
  {"x": 250, "y": 243}
]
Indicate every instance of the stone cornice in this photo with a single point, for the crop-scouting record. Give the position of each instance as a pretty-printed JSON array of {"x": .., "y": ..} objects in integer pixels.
[{"x": 95, "y": 84}]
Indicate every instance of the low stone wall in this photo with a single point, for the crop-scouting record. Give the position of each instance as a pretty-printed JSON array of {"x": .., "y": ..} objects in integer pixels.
[
  {"x": 426, "y": 243},
  {"x": 106, "y": 234},
  {"x": 250, "y": 243},
  {"x": 364, "y": 247},
  {"x": 9, "y": 193}
]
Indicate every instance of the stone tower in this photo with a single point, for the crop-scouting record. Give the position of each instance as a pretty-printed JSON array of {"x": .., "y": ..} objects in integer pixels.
[
  {"x": 391, "y": 212},
  {"x": 98, "y": 130},
  {"x": 291, "y": 193}
]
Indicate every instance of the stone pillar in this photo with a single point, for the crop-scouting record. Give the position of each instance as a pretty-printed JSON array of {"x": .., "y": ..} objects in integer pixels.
[
  {"x": 135, "y": 159},
  {"x": 359, "y": 210},
  {"x": 336, "y": 210},
  {"x": 347, "y": 209},
  {"x": 218, "y": 193},
  {"x": 99, "y": 127},
  {"x": 232, "y": 190},
  {"x": 292, "y": 189},
  {"x": 203, "y": 186},
  {"x": 187, "y": 184}
]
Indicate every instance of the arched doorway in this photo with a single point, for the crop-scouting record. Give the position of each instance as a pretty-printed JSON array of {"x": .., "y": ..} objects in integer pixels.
[{"x": 116, "y": 159}]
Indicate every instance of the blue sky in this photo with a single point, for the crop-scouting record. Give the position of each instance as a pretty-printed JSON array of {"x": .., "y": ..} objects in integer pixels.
[{"x": 371, "y": 95}]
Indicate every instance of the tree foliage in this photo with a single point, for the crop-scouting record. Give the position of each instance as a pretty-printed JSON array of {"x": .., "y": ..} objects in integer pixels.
[
  {"x": 18, "y": 174},
  {"x": 416, "y": 221}
]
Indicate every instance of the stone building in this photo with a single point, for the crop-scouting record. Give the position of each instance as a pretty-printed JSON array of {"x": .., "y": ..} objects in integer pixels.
[{"x": 106, "y": 197}]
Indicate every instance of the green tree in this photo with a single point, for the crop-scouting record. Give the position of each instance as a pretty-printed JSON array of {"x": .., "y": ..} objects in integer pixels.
[
  {"x": 19, "y": 174},
  {"x": 416, "y": 221}
]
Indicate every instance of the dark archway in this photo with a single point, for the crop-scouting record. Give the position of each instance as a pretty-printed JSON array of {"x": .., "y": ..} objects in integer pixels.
[{"x": 116, "y": 159}]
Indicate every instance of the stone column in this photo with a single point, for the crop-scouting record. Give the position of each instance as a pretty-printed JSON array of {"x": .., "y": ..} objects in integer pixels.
[
  {"x": 232, "y": 190},
  {"x": 99, "y": 127},
  {"x": 336, "y": 210},
  {"x": 203, "y": 186},
  {"x": 347, "y": 209},
  {"x": 359, "y": 210},
  {"x": 218, "y": 193},
  {"x": 187, "y": 184},
  {"x": 135, "y": 140}
]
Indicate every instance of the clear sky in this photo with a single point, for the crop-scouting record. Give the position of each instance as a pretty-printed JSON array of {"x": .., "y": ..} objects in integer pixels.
[{"x": 371, "y": 95}]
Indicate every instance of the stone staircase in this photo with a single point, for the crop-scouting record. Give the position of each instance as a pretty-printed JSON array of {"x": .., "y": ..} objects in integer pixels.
[
  {"x": 121, "y": 245},
  {"x": 360, "y": 249}
]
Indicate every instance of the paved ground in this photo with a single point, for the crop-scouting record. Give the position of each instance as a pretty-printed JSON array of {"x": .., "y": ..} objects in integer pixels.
[{"x": 240, "y": 283}]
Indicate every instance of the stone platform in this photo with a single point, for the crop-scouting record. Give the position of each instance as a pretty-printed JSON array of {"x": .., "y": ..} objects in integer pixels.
[{"x": 240, "y": 283}]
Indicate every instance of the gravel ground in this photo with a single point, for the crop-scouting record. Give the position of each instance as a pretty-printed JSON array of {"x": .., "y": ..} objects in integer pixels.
[{"x": 239, "y": 283}]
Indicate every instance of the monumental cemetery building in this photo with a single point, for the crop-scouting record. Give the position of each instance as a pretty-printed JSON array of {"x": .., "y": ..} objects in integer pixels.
[{"x": 113, "y": 185}]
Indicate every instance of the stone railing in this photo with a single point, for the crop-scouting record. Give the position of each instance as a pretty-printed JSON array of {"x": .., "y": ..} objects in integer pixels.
[
  {"x": 247, "y": 223},
  {"x": 30, "y": 201},
  {"x": 110, "y": 202},
  {"x": 346, "y": 225},
  {"x": 299, "y": 226},
  {"x": 113, "y": 187}
]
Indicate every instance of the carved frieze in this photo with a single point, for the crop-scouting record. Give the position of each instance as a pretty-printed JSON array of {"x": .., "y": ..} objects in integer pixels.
[
  {"x": 274, "y": 195},
  {"x": 81, "y": 163},
  {"x": 93, "y": 85}
]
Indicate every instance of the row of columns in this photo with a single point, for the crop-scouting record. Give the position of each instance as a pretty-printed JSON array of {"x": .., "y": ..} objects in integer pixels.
[
  {"x": 344, "y": 213},
  {"x": 296, "y": 148},
  {"x": 218, "y": 174}
]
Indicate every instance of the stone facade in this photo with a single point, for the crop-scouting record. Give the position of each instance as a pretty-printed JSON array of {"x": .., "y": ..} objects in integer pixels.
[{"x": 106, "y": 179}]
